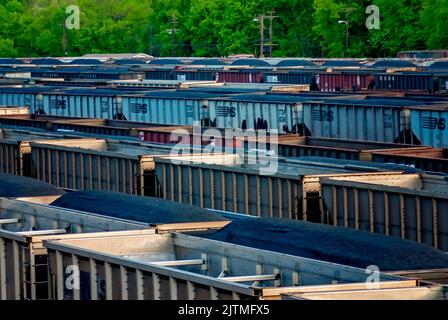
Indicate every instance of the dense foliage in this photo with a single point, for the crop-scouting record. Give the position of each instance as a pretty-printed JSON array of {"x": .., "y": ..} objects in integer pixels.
[{"x": 221, "y": 27}]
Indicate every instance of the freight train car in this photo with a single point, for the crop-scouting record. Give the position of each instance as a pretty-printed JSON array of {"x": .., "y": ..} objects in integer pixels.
[
  {"x": 95, "y": 164},
  {"x": 182, "y": 267},
  {"x": 13, "y": 111},
  {"x": 30, "y": 97},
  {"x": 31, "y": 271},
  {"x": 81, "y": 163},
  {"x": 316, "y": 115},
  {"x": 430, "y": 125},
  {"x": 240, "y": 76},
  {"x": 84, "y": 73},
  {"x": 14, "y": 149},
  {"x": 344, "y": 81},
  {"x": 169, "y": 107},
  {"x": 307, "y": 76},
  {"x": 368, "y": 119},
  {"x": 406, "y": 206},
  {"x": 259, "y": 112},
  {"x": 284, "y": 188},
  {"x": 68, "y": 102},
  {"x": 158, "y": 73},
  {"x": 113, "y": 129},
  {"x": 427, "y": 159},
  {"x": 420, "y": 157},
  {"x": 24, "y": 265},
  {"x": 200, "y": 74},
  {"x": 23, "y": 260},
  {"x": 291, "y": 237},
  {"x": 28, "y": 220},
  {"x": 299, "y": 146},
  {"x": 401, "y": 291},
  {"x": 407, "y": 81},
  {"x": 342, "y": 117},
  {"x": 31, "y": 121},
  {"x": 87, "y": 103}
]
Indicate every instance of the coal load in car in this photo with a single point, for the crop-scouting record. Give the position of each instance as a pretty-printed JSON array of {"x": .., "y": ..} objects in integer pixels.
[
  {"x": 141, "y": 209},
  {"x": 333, "y": 244},
  {"x": 16, "y": 186}
]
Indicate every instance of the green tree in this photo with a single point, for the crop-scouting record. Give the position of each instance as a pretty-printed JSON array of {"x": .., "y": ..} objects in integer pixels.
[
  {"x": 331, "y": 18},
  {"x": 166, "y": 33},
  {"x": 220, "y": 27},
  {"x": 433, "y": 19},
  {"x": 292, "y": 28},
  {"x": 7, "y": 48},
  {"x": 11, "y": 25},
  {"x": 328, "y": 32},
  {"x": 400, "y": 27}
]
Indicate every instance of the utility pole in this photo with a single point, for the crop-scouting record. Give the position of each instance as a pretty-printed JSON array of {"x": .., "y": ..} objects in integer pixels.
[
  {"x": 172, "y": 32},
  {"x": 271, "y": 18},
  {"x": 347, "y": 26},
  {"x": 261, "y": 19},
  {"x": 64, "y": 37}
]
